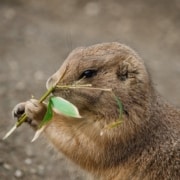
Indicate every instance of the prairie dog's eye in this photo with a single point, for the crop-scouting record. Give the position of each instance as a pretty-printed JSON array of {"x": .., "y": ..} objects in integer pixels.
[{"x": 89, "y": 73}]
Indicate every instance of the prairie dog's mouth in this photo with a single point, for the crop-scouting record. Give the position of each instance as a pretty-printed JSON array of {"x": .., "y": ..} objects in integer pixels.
[{"x": 61, "y": 92}]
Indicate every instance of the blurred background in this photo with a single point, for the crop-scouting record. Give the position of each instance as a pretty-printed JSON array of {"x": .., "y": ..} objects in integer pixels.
[{"x": 35, "y": 38}]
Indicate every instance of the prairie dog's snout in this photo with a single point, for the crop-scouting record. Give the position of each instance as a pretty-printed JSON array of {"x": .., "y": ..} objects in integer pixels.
[
  {"x": 51, "y": 81},
  {"x": 56, "y": 77}
]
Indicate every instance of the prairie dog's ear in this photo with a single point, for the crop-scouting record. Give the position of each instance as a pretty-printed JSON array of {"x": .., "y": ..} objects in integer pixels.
[
  {"x": 122, "y": 71},
  {"x": 131, "y": 69}
]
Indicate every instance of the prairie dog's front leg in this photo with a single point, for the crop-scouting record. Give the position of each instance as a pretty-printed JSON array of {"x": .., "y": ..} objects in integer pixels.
[{"x": 34, "y": 110}]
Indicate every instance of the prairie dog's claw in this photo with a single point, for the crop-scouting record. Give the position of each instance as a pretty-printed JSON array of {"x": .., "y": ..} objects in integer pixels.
[{"x": 18, "y": 110}]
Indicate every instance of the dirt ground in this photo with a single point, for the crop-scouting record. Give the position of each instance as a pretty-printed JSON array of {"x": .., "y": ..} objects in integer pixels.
[{"x": 35, "y": 38}]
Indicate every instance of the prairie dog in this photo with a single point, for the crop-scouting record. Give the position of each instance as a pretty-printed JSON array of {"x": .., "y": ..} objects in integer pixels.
[{"x": 145, "y": 146}]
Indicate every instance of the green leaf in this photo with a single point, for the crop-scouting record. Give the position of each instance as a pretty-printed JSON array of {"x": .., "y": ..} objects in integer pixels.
[
  {"x": 64, "y": 107},
  {"x": 48, "y": 116},
  {"x": 120, "y": 107},
  {"x": 60, "y": 105},
  {"x": 120, "y": 120}
]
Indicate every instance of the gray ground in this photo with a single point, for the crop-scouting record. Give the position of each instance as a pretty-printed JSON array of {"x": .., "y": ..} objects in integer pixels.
[{"x": 35, "y": 38}]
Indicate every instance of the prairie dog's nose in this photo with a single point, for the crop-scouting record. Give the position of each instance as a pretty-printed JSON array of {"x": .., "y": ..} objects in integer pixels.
[
  {"x": 55, "y": 78},
  {"x": 52, "y": 81}
]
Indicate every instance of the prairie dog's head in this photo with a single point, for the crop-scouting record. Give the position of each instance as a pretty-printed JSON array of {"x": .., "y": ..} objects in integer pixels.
[{"x": 107, "y": 65}]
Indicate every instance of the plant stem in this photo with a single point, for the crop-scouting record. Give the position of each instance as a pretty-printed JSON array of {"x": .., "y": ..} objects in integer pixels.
[
  {"x": 73, "y": 86},
  {"x": 114, "y": 124},
  {"x": 85, "y": 86}
]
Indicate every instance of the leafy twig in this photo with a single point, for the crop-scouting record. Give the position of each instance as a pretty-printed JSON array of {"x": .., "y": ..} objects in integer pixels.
[{"x": 23, "y": 118}]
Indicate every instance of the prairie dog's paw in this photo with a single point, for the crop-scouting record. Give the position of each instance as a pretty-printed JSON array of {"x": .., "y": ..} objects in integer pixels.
[{"x": 35, "y": 110}]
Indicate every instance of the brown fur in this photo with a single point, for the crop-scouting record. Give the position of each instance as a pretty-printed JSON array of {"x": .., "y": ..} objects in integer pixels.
[{"x": 145, "y": 146}]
